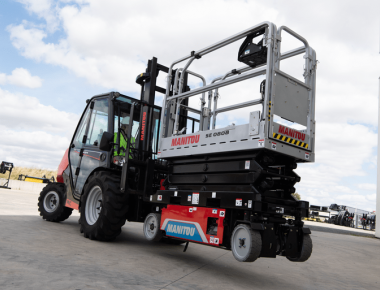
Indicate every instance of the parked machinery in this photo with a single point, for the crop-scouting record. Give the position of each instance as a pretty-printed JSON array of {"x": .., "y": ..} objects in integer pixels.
[
  {"x": 186, "y": 178},
  {"x": 371, "y": 222},
  {"x": 363, "y": 221},
  {"x": 42, "y": 179},
  {"x": 368, "y": 221},
  {"x": 4, "y": 167}
]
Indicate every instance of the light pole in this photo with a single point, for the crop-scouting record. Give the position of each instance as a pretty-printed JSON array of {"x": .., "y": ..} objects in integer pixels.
[{"x": 377, "y": 232}]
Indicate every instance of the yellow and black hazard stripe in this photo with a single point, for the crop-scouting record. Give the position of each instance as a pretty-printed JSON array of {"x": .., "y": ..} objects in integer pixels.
[
  {"x": 269, "y": 110},
  {"x": 290, "y": 140}
]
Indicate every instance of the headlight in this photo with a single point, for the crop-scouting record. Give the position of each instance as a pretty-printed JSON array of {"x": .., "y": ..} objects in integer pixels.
[{"x": 118, "y": 160}]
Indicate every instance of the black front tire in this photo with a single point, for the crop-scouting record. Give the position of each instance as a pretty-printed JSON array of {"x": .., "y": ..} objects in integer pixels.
[
  {"x": 51, "y": 203},
  {"x": 113, "y": 210},
  {"x": 307, "y": 249}
]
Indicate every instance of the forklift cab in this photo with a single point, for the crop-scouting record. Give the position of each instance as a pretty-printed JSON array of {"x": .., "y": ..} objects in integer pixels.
[{"x": 98, "y": 140}]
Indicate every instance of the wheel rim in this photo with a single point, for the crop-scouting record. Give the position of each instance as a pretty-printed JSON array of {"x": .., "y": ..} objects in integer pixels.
[
  {"x": 51, "y": 201},
  {"x": 93, "y": 205},
  {"x": 241, "y": 243},
  {"x": 151, "y": 227}
]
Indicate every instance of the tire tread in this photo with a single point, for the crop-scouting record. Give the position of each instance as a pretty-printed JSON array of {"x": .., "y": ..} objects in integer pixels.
[
  {"x": 114, "y": 208},
  {"x": 62, "y": 213}
]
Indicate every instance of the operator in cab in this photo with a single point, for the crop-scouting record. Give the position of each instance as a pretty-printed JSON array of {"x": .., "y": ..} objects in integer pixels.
[{"x": 123, "y": 140}]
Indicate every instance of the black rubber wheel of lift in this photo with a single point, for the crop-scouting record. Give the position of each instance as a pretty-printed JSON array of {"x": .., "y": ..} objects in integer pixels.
[
  {"x": 307, "y": 249},
  {"x": 151, "y": 227},
  {"x": 246, "y": 243},
  {"x": 103, "y": 207},
  {"x": 51, "y": 203}
]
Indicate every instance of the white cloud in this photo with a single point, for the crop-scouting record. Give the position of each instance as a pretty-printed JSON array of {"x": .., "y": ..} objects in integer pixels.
[
  {"x": 33, "y": 134},
  {"x": 338, "y": 155},
  {"x": 367, "y": 186},
  {"x": 108, "y": 43},
  {"x": 21, "y": 77},
  {"x": 45, "y": 10},
  {"x": 371, "y": 197},
  {"x": 24, "y": 113}
]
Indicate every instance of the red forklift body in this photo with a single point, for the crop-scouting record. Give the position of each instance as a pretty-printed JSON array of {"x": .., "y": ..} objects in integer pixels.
[{"x": 197, "y": 224}]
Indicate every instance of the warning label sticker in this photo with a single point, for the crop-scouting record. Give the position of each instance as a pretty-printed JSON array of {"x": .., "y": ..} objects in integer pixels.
[
  {"x": 214, "y": 211},
  {"x": 291, "y": 136},
  {"x": 239, "y": 202},
  {"x": 195, "y": 198},
  {"x": 189, "y": 198},
  {"x": 261, "y": 143},
  {"x": 216, "y": 240},
  {"x": 247, "y": 164},
  {"x": 222, "y": 213},
  {"x": 249, "y": 203},
  {"x": 307, "y": 155},
  {"x": 211, "y": 240},
  {"x": 159, "y": 197},
  {"x": 273, "y": 146},
  {"x": 190, "y": 209}
]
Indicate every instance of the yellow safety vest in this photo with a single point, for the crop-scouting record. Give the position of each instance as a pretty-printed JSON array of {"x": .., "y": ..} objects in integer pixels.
[{"x": 123, "y": 144}]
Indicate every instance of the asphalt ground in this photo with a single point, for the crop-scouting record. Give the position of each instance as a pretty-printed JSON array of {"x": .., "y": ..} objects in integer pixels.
[{"x": 35, "y": 254}]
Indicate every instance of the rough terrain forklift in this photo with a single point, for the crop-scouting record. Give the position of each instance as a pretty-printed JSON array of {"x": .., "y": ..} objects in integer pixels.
[{"x": 183, "y": 174}]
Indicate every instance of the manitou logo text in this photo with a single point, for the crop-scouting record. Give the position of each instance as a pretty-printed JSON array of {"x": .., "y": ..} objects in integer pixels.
[
  {"x": 143, "y": 127},
  {"x": 185, "y": 140},
  {"x": 291, "y": 133},
  {"x": 181, "y": 230}
]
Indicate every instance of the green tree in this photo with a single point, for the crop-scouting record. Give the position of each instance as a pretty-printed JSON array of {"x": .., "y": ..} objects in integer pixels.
[{"x": 297, "y": 195}]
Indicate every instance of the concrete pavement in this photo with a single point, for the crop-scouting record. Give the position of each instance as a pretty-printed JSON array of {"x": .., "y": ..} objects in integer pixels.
[
  {"x": 35, "y": 254},
  {"x": 331, "y": 228}
]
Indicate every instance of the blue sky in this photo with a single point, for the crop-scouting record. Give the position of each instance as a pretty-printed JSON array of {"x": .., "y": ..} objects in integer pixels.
[{"x": 55, "y": 54}]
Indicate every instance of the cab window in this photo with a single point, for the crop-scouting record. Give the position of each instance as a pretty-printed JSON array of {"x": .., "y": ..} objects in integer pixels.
[{"x": 98, "y": 122}]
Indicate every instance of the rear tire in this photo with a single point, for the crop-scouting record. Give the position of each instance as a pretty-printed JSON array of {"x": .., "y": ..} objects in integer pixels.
[
  {"x": 245, "y": 243},
  {"x": 307, "y": 249},
  {"x": 151, "y": 227},
  {"x": 103, "y": 207},
  {"x": 51, "y": 203}
]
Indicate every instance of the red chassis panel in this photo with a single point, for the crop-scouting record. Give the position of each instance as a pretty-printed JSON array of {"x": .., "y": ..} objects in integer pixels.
[
  {"x": 190, "y": 223},
  {"x": 62, "y": 166}
]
